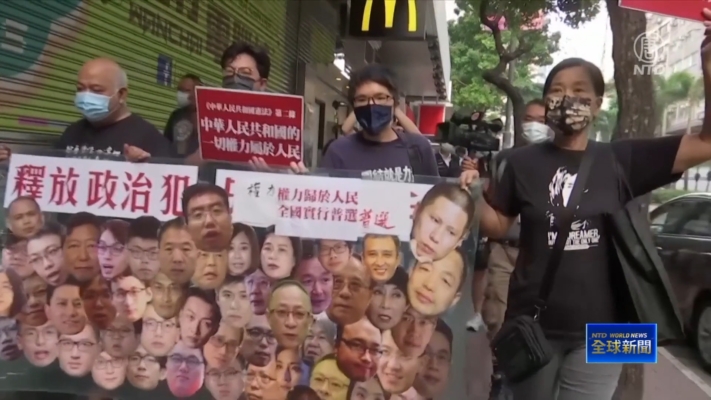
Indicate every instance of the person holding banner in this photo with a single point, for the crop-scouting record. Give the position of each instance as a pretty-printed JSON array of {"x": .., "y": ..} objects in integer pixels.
[{"x": 539, "y": 184}]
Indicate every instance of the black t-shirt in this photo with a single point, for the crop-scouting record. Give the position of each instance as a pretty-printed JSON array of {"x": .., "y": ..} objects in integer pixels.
[
  {"x": 85, "y": 139},
  {"x": 537, "y": 183}
]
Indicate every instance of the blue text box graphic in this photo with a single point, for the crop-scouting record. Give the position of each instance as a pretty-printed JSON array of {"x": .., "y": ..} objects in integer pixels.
[{"x": 621, "y": 343}]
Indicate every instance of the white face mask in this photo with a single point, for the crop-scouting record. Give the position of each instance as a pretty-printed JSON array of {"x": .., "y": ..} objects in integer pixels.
[
  {"x": 536, "y": 132},
  {"x": 183, "y": 99}
]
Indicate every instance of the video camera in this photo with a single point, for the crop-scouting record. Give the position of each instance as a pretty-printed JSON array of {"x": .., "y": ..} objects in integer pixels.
[{"x": 473, "y": 133}]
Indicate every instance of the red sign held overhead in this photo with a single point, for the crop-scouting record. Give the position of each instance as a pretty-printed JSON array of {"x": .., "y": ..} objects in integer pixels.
[
  {"x": 686, "y": 9},
  {"x": 235, "y": 125}
]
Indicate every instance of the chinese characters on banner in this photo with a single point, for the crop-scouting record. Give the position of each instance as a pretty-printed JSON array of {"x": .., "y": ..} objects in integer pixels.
[
  {"x": 324, "y": 207},
  {"x": 235, "y": 125},
  {"x": 107, "y": 188}
]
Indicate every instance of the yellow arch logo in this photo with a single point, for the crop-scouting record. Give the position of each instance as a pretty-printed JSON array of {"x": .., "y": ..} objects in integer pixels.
[{"x": 390, "y": 14}]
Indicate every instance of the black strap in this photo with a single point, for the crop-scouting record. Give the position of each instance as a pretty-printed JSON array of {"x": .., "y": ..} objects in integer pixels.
[
  {"x": 563, "y": 222},
  {"x": 413, "y": 153}
]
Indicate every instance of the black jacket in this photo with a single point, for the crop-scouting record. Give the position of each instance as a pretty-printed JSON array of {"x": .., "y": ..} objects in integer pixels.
[{"x": 453, "y": 170}]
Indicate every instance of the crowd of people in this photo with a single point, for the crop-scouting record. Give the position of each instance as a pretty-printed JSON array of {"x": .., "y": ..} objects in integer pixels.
[{"x": 202, "y": 299}]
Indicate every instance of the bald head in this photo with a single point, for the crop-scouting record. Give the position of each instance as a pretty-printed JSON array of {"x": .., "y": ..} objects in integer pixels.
[
  {"x": 105, "y": 70},
  {"x": 102, "y": 90}
]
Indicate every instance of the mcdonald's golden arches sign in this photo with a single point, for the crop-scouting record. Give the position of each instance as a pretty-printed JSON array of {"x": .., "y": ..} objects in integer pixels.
[{"x": 386, "y": 19}]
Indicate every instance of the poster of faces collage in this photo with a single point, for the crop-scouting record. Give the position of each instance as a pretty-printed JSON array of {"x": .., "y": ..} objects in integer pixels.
[{"x": 202, "y": 306}]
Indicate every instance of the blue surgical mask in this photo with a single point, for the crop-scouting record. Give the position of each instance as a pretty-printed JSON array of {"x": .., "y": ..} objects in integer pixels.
[
  {"x": 94, "y": 107},
  {"x": 239, "y": 82},
  {"x": 374, "y": 118},
  {"x": 536, "y": 132}
]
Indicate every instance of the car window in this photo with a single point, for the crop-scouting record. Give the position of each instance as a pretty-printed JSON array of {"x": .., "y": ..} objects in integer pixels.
[{"x": 684, "y": 217}]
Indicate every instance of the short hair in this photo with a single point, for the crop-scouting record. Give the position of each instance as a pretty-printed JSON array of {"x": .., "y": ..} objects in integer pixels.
[
  {"x": 69, "y": 282},
  {"x": 18, "y": 293},
  {"x": 536, "y": 102},
  {"x": 25, "y": 198},
  {"x": 303, "y": 392},
  {"x": 286, "y": 282},
  {"x": 144, "y": 227},
  {"x": 254, "y": 247},
  {"x": 597, "y": 80},
  {"x": 394, "y": 238},
  {"x": 444, "y": 329},
  {"x": 209, "y": 297},
  {"x": 11, "y": 239},
  {"x": 455, "y": 194},
  {"x": 329, "y": 327},
  {"x": 295, "y": 243},
  {"x": 376, "y": 73},
  {"x": 50, "y": 229},
  {"x": 260, "y": 55},
  {"x": 81, "y": 219},
  {"x": 399, "y": 280},
  {"x": 202, "y": 188},
  {"x": 193, "y": 78},
  {"x": 231, "y": 280},
  {"x": 118, "y": 228},
  {"x": 241, "y": 361},
  {"x": 175, "y": 223},
  {"x": 348, "y": 243},
  {"x": 353, "y": 383}
]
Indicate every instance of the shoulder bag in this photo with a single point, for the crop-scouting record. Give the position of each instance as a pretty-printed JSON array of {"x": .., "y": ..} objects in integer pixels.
[{"x": 520, "y": 346}]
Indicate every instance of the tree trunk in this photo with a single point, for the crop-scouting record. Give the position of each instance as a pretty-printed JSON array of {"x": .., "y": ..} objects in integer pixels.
[
  {"x": 689, "y": 119},
  {"x": 636, "y": 118}
]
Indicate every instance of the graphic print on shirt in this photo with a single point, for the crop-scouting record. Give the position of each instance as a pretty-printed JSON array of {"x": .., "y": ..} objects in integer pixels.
[
  {"x": 397, "y": 174},
  {"x": 88, "y": 152},
  {"x": 583, "y": 235}
]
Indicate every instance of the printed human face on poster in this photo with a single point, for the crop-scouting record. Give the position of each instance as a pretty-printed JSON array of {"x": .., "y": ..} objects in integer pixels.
[{"x": 264, "y": 281}]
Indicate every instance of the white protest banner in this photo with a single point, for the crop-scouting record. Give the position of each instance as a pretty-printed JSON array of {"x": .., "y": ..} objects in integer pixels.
[
  {"x": 320, "y": 206},
  {"x": 107, "y": 188}
]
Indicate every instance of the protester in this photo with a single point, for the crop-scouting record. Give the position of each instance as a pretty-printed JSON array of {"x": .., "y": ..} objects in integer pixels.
[
  {"x": 180, "y": 129},
  {"x": 400, "y": 120},
  {"x": 448, "y": 163},
  {"x": 536, "y": 184},
  {"x": 492, "y": 281},
  {"x": 107, "y": 127}
]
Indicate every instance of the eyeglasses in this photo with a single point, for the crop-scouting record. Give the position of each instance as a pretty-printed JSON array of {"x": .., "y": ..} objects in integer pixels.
[
  {"x": 332, "y": 383},
  {"x": 220, "y": 342},
  {"x": 152, "y": 324},
  {"x": 230, "y": 373},
  {"x": 122, "y": 294},
  {"x": 299, "y": 315},
  {"x": 336, "y": 249},
  {"x": 361, "y": 348},
  {"x": 102, "y": 363},
  {"x": 33, "y": 333},
  {"x": 141, "y": 254},
  {"x": 190, "y": 361},
  {"x": 137, "y": 358},
  {"x": 82, "y": 345},
  {"x": 115, "y": 250},
  {"x": 354, "y": 286},
  {"x": 50, "y": 254},
  {"x": 258, "y": 334},
  {"x": 380, "y": 99},
  {"x": 262, "y": 377},
  {"x": 119, "y": 333}
]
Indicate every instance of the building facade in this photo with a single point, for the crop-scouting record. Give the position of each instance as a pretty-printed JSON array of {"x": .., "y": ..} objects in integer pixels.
[{"x": 676, "y": 47}]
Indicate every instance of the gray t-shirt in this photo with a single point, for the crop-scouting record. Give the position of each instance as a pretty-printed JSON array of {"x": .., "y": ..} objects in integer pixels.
[
  {"x": 500, "y": 164},
  {"x": 389, "y": 161}
]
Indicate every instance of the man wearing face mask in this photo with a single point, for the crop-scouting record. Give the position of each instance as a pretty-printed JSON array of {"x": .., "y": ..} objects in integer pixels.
[
  {"x": 108, "y": 126},
  {"x": 490, "y": 284},
  {"x": 447, "y": 162},
  {"x": 180, "y": 128}
]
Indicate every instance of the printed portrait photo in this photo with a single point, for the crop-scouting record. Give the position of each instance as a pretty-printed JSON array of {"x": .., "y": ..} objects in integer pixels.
[
  {"x": 24, "y": 217},
  {"x": 39, "y": 344},
  {"x": 259, "y": 343},
  {"x": 142, "y": 246},
  {"x": 45, "y": 254},
  {"x": 442, "y": 220},
  {"x": 14, "y": 255},
  {"x": 389, "y": 301},
  {"x": 245, "y": 250},
  {"x": 289, "y": 313},
  {"x": 352, "y": 292},
  {"x": 279, "y": 254},
  {"x": 317, "y": 280},
  {"x": 78, "y": 352},
  {"x": 210, "y": 269},
  {"x": 327, "y": 380},
  {"x": 434, "y": 287},
  {"x": 113, "y": 254},
  {"x": 178, "y": 252},
  {"x": 381, "y": 255},
  {"x": 35, "y": 291},
  {"x": 65, "y": 308},
  {"x": 81, "y": 255},
  {"x": 228, "y": 382},
  {"x": 233, "y": 300},
  {"x": 207, "y": 212}
]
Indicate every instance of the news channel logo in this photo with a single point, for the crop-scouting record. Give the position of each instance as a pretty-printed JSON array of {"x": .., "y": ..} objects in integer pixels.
[
  {"x": 647, "y": 49},
  {"x": 621, "y": 343}
]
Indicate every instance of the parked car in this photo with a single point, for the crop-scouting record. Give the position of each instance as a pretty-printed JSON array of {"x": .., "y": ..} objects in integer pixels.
[{"x": 682, "y": 231}]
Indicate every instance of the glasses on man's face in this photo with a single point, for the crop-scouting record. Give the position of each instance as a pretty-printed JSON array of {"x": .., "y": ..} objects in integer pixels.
[
  {"x": 361, "y": 347},
  {"x": 257, "y": 334},
  {"x": 332, "y": 383},
  {"x": 220, "y": 341},
  {"x": 152, "y": 324},
  {"x": 122, "y": 294},
  {"x": 82, "y": 345},
  {"x": 140, "y": 254},
  {"x": 33, "y": 333},
  {"x": 335, "y": 249},
  {"x": 354, "y": 286},
  {"x": 119, "y": 333},
  {"x": 50, "y": 254},
  {"x": 137, "y": 358},
  {"x": 227, "y": 374},
  {"x": 115, "y": 363},
  {"x": 115, "y": 249},
  {"x": 379, "y": 99},
  {"x": 190, "y": 361},
  {"x": 283, "y": 314}
]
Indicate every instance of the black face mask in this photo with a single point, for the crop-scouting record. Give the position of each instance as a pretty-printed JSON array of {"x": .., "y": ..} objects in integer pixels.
[
  {"x": 238, "y": 82},
  {"x": 568, "y": 115}
]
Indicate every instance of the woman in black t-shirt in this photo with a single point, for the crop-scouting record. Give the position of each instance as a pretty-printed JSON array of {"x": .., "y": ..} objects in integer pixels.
[{"x": 536, "y": 185}]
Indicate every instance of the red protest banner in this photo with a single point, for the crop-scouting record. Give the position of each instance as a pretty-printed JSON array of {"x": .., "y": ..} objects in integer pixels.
[
  {"x": 686, "y": 9},
  {"x": 235, "y": 125}
]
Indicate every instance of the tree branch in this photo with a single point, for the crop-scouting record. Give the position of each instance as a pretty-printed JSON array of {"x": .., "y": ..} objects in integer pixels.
[{"x": 493, "y": 25}]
